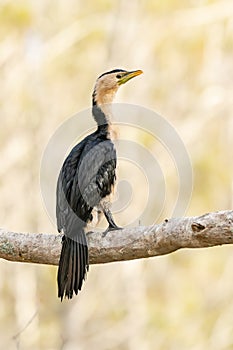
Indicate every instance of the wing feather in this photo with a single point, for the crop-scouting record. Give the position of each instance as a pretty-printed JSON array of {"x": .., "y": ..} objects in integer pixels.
[{"x": 86, "y": 177}]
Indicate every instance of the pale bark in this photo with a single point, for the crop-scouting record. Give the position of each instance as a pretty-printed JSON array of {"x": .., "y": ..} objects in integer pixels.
[{"x": 208, "y": 230}]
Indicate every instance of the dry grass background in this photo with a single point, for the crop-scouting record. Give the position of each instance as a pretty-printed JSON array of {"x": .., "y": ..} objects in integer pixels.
[{"x": 51, "y": 54}]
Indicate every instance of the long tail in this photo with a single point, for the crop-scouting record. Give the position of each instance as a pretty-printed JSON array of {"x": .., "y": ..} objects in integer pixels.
[{"x": 73, "y": 266}]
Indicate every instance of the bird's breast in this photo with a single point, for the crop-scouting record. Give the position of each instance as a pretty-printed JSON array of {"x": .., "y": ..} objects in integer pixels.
[{"x": 113, "y": 132}]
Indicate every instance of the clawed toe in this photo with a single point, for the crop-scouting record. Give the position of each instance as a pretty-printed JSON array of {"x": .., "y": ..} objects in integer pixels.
[
  {"x": 89, "y": 233},
  {"x": 111, "y": 228}
]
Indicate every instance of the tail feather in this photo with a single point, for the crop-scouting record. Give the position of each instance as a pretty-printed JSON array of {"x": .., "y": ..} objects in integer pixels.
[
  {"x": 80, "y": 282},
  {"x": 62, "y": 269},
  {"x": 71, "y": 273},
  {"x": 76, "y": 284},
  {"x": 73, "y": 266},
  {"x": 74, "y": 271},
  {"x": 82, "y": 249}
]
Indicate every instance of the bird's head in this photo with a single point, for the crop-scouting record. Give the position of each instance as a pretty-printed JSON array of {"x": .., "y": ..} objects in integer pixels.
[{"x": 108, "y": 83}]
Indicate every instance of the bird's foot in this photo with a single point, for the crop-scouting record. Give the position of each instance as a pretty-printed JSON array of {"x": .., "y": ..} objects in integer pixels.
[
  {"x": 89, "y": 233},
  {"x": 111, "y": 228}
]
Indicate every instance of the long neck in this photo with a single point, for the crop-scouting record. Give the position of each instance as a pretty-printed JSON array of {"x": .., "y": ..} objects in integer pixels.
[
  {"x": 99, "y": 115},
  {"x": 101, "y": 110}
]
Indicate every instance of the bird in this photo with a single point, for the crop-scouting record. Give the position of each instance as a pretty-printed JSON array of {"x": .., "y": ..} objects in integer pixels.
[{"x": 85, "y": 183}]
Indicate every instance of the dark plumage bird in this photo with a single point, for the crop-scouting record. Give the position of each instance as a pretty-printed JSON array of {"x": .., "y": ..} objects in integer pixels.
[{"x": 85, "y": 182}]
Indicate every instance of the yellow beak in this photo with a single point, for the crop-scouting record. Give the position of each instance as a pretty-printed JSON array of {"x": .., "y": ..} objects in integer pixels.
[{"x": 129, "y": 75}]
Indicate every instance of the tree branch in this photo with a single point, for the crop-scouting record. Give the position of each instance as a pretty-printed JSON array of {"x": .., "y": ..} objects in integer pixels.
[{"x": 130, "y": 243}]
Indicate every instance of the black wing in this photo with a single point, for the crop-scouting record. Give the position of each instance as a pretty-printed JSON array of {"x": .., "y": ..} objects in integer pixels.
[
  {"x": 87, "y": 176},
  {"x": 64, "y": 186}
]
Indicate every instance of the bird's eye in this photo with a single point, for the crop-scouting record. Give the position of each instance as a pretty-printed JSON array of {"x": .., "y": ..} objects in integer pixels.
[{"x": 119, "y": 76}]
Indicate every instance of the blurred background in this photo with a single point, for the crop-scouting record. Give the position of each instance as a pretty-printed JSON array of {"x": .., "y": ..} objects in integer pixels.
[{"x": 51, "y": 54}]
